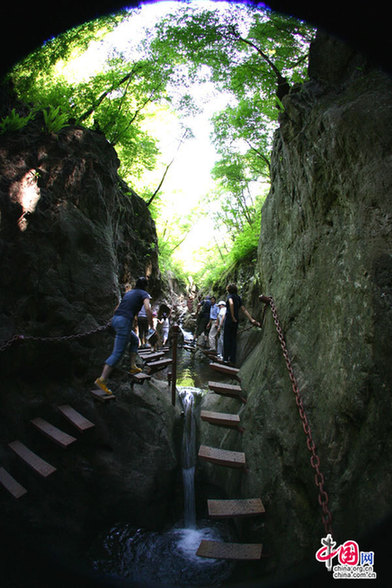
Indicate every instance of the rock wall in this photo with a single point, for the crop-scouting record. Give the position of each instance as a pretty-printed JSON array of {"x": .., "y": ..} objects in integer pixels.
[
  {"x": 72, "y": 235},
  {"x": 325, "y": 258}
]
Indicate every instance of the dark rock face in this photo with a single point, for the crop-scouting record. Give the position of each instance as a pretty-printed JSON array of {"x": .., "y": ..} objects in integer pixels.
[
  {"x": 122, "y": 470},
  {"x": 325, "y": 257},
  {"x": 325, "y": 250},
  {"x": 72, "y": 233},
  {"x": 72, "y": 236}
]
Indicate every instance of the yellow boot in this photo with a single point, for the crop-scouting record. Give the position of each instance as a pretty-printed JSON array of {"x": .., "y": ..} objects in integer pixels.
[
  {"x": 134, "y": 368},
  {"x": 101, "y": 383}
]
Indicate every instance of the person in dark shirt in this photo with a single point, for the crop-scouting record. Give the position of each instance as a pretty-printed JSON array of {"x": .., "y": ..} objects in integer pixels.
[
  {"x": 233, "y": 305},
  {"x": 203, "y": 317},
  {"x": 122, "y": 322}
]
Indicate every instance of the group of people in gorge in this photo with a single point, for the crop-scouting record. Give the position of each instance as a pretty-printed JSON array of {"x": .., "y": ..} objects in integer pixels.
[
  {"x": 134, "y": 313},
  {"x": 217, "y": 321}
]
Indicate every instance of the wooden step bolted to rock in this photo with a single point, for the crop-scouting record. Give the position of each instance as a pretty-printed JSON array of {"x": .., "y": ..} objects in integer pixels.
[
  {"x": 11, "y": 484},
  {"x": 237, "y": 551},
  {"x": 139, "y": 378},
  {"x": 151, "y": 356},
  {"x": 38, "y": 464},
  {"x": 233, "y": 459},
  {"x": 190, "y": 348},
  {"x": 52, "y": 432},
  {"x": 221, "y": 419},
  {"x": 100, "y": 395},
  {"x": 225, "y": 369},
  {"x": 75, "y": 418},
  {"x": 160, "y": 364},
  {"x": 242, "y": 507},
  {"x": 224, "y": 389}
]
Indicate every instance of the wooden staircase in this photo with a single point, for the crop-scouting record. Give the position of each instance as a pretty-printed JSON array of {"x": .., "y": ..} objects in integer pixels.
[
  {"x": 221, "y": 419},
  {"x": 42, "y": 467},
  {"x": 34, "y": 461},
  {"x": 155, "y": 361},
  {"x": 225, "y": 369},
  {"x": 75, "y": 418},
  {"x": 159, "y": 365},
  {"x": 11, "y": 484},
  {"x": 222, "y": 509},
  {"x": 224, "y": 389},
  {"x": 232, "y": 459},
  {"x": 244, "y": 507},
  {"x": 235, "y": 551},
  {"x": 52, "y": 432}
]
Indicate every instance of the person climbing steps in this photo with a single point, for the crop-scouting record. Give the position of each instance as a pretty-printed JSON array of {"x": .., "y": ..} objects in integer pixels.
[{"x": 122, "y": 322}]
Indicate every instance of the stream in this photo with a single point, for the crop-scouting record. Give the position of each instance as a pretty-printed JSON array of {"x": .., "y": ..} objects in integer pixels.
[{"x": 168, "y": 558}]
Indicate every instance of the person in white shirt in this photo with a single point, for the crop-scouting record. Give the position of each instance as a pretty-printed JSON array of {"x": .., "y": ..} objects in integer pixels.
[
  {"x": 212, "y": 324},
  {"x": 220, "y": 320}
]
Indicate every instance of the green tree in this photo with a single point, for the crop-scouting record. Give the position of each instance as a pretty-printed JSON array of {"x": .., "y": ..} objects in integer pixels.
[
  {"x": 115, "y": 100},
  {"x": 255, "y": 56}
]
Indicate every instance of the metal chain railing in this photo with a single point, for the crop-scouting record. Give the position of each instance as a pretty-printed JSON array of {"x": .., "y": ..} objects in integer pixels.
[
  {"x": 314, "y": 459},
  {"x": 23, "y": 338}
]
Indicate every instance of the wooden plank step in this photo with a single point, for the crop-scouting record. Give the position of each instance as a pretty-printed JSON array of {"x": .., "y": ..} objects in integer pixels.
[
  {"x": 159, "y": 364},
  {"x": 190, "y": 347},
  {"x": 52, "y": 432},
  {"x": 32, "y": 459},
  {"x": 220, "y": 418},
  {"x": 100, "y": 395},
  {"x": 208, "y": 353},
  {"x": 151, "y": 356},
  {"x": 218, "y": 360},
  {"x": 227, "y": 390},
  {"x": 243, "y": 507},
  {"x": 233, "y": 459},
  {"x": 225, "y": 369},
  {"x": 11, "y": 484},
  {"x": 139, "y": 377},
  {"x": 74, "y": 417},
  {"x": 221, "y": 550}
]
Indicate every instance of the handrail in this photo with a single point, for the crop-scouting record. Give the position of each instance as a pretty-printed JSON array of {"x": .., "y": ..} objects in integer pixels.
[{"x": 314, "y": 459}]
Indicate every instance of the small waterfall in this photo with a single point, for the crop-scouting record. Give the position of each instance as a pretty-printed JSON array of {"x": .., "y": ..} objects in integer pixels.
[
  {"x": 187, "y": 397},
  {"x": 157, "y": 558}
]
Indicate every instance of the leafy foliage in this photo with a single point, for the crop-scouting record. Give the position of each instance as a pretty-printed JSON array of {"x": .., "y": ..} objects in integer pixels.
[
  {"x": 54, "y": 120},
  {"x": 253, "y": 56},
  {"x": 114, "y": 100},
  {"x": 14, "y": 121}
]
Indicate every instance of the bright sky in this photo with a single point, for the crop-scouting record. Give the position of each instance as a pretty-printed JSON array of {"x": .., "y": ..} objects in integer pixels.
[{"x": 189, "y": 176}]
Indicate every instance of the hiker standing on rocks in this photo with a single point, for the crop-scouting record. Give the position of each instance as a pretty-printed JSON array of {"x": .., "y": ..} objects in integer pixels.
[
  {"x": 220, "y": 322},
  {"x": 122, "y": 322},
  {"x": 233, "y": 305},
  {"x": 213, "y": 325},
  {"x": 203, "y": 317}
]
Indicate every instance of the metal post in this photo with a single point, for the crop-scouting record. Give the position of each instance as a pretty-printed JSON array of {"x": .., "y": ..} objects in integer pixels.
[{"x": 175, "y": 331}]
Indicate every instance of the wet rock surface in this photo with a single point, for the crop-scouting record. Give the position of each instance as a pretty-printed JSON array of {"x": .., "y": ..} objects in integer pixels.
[
  {"x": 324, "y": 255},
  {"x": 72, "y": 236}
]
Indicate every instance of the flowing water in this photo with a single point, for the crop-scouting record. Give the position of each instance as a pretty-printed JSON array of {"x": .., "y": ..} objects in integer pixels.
[
  {"x": 169, "y": 558},
  {"x": 160, "y": 559},
  {"x": 188, "y": 397}
]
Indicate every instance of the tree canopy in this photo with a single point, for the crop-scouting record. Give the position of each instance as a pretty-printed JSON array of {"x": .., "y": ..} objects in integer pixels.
[{"x": 251, "y": 55}]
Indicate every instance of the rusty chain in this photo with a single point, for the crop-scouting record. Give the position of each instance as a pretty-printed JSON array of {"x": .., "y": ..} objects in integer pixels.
[
  {"x": 314, "y": 459},
  {"x": 23, "y": 338}
]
